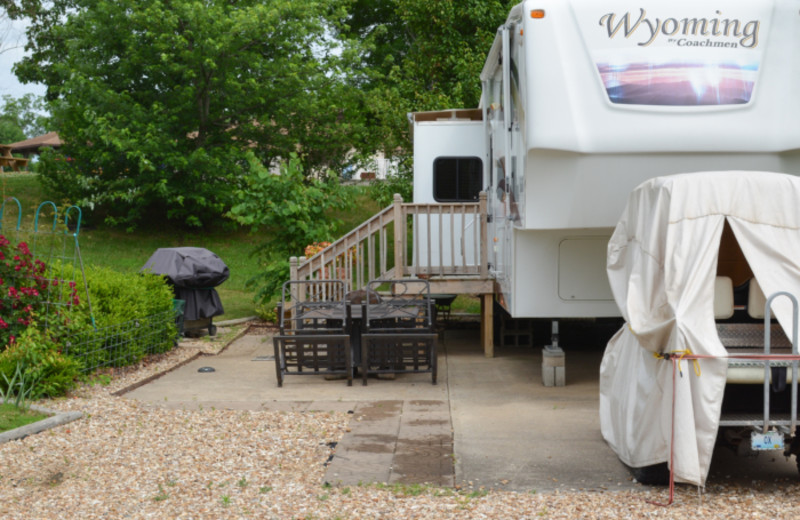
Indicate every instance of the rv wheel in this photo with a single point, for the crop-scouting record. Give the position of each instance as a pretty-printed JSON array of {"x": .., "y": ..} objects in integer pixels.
[{"x": 655, "y": 475}]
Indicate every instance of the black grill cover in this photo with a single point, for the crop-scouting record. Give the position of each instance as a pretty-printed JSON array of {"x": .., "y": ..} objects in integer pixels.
[
  {"x": 188, "y": 267},
  {"x": 194, "y": 272},
  {"x": 200, "y": 303}
]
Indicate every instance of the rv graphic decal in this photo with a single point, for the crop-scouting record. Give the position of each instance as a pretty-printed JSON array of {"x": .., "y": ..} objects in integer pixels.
[
  {"x": 700, "y": 61},
  {"x": 649, "y": 29},
  {"x": 678, "y": 84}
]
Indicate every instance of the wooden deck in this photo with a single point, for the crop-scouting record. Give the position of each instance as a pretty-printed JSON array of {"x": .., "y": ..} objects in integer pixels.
[{"x": 444, "y": 243}]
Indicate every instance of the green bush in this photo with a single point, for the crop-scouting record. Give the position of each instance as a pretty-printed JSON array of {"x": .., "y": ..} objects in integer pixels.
[
  {"x": 40, "y": 360},
  {"x": 382, "y": 191},
  {"x": 120, "y": 297},
  {"x": 133, "y": 315},
  {"x": 268, "y": 311},
  {"x": 292, "y": 211}
]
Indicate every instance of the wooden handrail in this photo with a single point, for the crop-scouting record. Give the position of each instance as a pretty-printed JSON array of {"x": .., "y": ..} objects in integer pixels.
[{"x": 447, "y": 239}]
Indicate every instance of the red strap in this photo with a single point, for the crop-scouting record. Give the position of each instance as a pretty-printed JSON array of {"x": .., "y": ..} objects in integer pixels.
[{"x": 676, "y": 359}]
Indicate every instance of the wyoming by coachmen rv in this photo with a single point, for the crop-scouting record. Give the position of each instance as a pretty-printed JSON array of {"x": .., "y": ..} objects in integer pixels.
[
  {"x": 628, "y": 159},
  {"x": 582, "y": 101}
]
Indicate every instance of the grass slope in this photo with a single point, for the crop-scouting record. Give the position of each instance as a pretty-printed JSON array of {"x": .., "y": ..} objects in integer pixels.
[{"x": 128, "y": 252}]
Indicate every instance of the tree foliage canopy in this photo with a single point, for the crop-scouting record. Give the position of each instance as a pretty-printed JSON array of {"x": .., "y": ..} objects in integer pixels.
[
  {"x": 420, "y": 55},
  {"x": 158, "y": 100},
  {"x": 21, "y": 118},
  {"x": 425, "y": 54}
]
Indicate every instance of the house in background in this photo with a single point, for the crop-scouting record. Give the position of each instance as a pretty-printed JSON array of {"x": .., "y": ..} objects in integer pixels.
[
  {"x": 34, "y": 145},
  {"x": 9, "y": 153}
]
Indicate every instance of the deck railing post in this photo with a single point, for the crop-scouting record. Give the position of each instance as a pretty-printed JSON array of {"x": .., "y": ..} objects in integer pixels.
[
  {"x": 301, "y": 296},
  {"x": 487, "y": 324},
  {"x": 399, "y": 236},
  {"x": 484, "y": 237},
  {"x": 293, "y": 289},
  {"x": 293, "y": 268}
]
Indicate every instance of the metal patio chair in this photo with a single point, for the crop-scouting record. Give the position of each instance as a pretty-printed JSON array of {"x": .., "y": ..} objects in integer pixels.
[
  {"x": 397, "y": 331},
  {"x": 313, "y": 337}
]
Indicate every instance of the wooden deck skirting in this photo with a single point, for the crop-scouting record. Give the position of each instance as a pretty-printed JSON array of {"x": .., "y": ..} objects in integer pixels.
[{"x": 443, "y": 242}]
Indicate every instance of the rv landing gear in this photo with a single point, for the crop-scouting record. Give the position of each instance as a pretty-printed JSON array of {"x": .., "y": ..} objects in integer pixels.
[{"x": 655, "y": 475}]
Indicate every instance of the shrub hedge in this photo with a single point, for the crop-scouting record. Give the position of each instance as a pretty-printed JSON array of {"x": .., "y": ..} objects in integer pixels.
[
  {"x": 133, "y": 316},
  {"x": 60, "y": 342}
]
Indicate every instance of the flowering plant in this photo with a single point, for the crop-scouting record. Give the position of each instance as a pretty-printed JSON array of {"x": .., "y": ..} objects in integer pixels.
[
  {"x": 23, "y": 289},
  {"x": 340, "y": 261},
  {"x": 313, "y": 249}
]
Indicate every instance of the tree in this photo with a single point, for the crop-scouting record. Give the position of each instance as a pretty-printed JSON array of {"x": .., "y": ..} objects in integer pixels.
[
  {"x": 428, "y": 53},
  {"x": 22, "y": 118},
  {"x": 291, "y": 211},
  {"x": 157, "y": 100},
  {"x": 421, "y": 55},
  {"x": 449, "y": 41},
  {"x": 8, "y": 40},
  {"x": 10, "y": 132}
]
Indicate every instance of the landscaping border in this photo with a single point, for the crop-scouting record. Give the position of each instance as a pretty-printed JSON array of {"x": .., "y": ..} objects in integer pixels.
[{"x": 56, "y": 419}]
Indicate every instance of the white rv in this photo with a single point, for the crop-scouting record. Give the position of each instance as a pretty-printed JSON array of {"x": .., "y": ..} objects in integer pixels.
[{"x": 585, "y": 99}]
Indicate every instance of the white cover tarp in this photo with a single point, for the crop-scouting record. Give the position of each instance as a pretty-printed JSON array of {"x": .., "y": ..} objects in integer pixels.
[{"x": 662, "y": 261}]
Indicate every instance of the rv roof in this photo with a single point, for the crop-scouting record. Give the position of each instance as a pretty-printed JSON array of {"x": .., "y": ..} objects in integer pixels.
[{"x": 453, "y": 114}]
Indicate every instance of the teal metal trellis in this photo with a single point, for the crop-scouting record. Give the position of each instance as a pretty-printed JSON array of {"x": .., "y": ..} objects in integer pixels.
[
  {"x": 56, "y": 269},
  {"x": 57, "y": 246}
]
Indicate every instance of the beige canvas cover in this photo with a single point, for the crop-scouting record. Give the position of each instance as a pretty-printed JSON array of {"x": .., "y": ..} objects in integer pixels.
[{"x": 662, "y": 261}]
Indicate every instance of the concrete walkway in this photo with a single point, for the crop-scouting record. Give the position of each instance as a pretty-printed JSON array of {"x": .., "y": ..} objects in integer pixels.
[
  {"x": 489, "y": 422},
  {"x": 397, "y": 442}
]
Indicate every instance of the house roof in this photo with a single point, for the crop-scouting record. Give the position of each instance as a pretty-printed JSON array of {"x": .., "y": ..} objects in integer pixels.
[{"x": 33, "y": 144}]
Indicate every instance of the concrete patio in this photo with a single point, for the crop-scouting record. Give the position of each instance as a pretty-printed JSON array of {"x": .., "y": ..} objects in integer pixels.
[{"x": 488, "y": 423}]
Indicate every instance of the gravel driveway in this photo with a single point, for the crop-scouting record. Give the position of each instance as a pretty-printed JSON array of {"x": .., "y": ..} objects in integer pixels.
[{"x": 125, "y": 459}]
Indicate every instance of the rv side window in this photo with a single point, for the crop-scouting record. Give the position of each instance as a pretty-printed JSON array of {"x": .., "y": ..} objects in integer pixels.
[{"x": 457, "y": 179}]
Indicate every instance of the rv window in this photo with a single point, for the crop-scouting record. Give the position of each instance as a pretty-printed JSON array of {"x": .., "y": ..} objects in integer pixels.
[{"x": 457, "y": 179}]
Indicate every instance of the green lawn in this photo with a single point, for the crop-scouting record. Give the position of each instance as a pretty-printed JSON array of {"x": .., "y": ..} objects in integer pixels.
[
  {"x": 128, "y": 252},
  {"x": 12, "y": 417},
  {"x": 25, "y": 187}
]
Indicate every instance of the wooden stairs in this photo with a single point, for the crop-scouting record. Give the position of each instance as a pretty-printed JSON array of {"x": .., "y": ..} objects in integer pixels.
[{"x": 445, "y": 243}]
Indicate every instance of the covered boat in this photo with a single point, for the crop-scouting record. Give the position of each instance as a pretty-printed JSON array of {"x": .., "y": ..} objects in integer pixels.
[{"x": 662, "y": 266}]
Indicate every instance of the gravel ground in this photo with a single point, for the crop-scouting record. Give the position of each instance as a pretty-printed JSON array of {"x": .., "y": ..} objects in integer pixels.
[{"x": 128, "y": 460}]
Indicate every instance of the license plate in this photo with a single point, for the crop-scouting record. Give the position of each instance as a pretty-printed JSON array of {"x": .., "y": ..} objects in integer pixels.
[{"x": 767, "y": 441}]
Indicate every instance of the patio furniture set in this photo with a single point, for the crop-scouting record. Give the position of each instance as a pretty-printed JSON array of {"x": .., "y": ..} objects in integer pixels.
[{"x": 386, "y": 328}]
